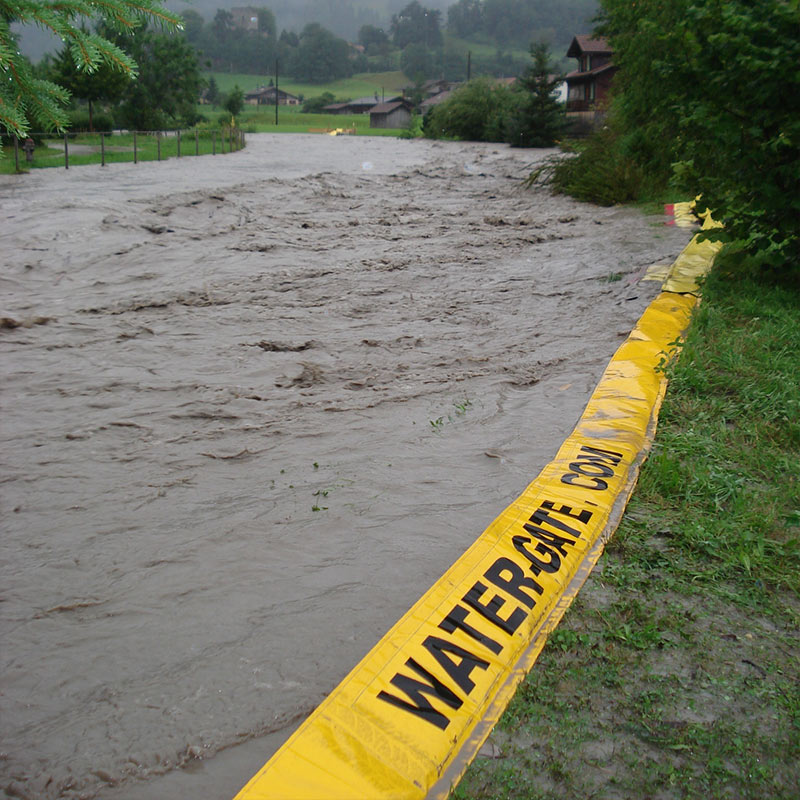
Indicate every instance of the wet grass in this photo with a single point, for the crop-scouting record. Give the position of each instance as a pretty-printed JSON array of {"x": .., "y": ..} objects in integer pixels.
[
  {"x": 675, "y": 674},
  {"x": 361, "y": 85},
  {"x": 119, "y": 147}
]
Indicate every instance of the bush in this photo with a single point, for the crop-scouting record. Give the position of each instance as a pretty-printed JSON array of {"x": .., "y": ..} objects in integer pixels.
[
  {"x": 600, "y": 172},
  {"x": 477, "y": 112},
  {"x": 314, "y": 105},
  {"x": 102, "y": 122}
]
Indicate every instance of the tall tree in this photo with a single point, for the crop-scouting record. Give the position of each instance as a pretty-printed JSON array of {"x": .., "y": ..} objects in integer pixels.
[
  {"x": 540, "y": 119},
  {"x": 25, "y": 98},
  {"x": 103, "y": 84},
  {"x": 320, "y": 56},
  {"x": 416, "y": 24},
  {"x": 168, "y": 85}
]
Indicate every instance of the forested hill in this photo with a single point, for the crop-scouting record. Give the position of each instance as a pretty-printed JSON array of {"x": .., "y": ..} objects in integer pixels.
[
  {"x": 503, "y": 23},
  {"x": 342, "y": 17}
]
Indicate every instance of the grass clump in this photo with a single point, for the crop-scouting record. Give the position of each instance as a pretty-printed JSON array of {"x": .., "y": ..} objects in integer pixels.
[
  {"x": 596, "y": 170},
  {"x": 675, "y": 673}
]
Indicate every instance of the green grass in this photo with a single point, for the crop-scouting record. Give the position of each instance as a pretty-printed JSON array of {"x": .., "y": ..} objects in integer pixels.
[
  {"x": 291, "y": 119},
  {"x": 362, "y": 85},
  {"x": 119, "y": 148},
  {"x": 675, "y": 673}
]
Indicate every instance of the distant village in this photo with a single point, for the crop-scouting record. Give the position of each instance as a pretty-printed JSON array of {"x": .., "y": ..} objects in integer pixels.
[{"x": 582, "y": 90}]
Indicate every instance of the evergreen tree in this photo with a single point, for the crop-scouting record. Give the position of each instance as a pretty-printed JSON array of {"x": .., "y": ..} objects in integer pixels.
[
  {"x": 25, "y": 98},
  {"x": 212, "y": 93},
  {"x": 540, "y": 119},
  {"x": 103, "y": 84}
]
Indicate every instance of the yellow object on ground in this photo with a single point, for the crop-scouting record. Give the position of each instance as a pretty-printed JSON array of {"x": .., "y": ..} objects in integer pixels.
[{"x": 409, "y": 718}]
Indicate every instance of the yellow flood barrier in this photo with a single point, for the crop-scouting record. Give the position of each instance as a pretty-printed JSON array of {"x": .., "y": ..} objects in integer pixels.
[{"x": 408, "y": 719}]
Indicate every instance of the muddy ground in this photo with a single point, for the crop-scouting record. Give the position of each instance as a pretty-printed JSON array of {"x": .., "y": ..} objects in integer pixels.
[{"x": 253, "y": 406}]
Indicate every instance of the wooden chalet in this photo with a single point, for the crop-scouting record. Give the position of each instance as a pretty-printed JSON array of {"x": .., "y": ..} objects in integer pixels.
[
  {"x": 393, "y": 114},
  {"x": 265, "y": 96},
  {"x": 587, "y": 87}
]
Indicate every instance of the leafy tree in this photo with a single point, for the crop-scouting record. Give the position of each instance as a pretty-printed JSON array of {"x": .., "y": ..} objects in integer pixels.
[
  {"x": 169, "y": 82},
  {"x": 465, "y": 18},
  {"x": 478, "y": 111},
  {"x": 539, "y": 120},
  {"x": 320, "y": 56},
  {"x": 103, "y": 84},
  {"x": 193, "y": 24},
  {"x": 373, "y": 39},
  {"x": 416, "y": 62},
  {"x": 266, "y": 22},
  {"x": 223, "y": 25},
  {"x": 314, "y": 105},
  {"x": 416, "y": 24},
  {"x": 713, "y": 88},
  {"x": 234, "y": 101},
  {"x": 25, "y": 98}
]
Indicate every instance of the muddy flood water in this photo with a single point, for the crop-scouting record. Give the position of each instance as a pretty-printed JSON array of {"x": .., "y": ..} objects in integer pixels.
[{"x": 253, "y": 406}]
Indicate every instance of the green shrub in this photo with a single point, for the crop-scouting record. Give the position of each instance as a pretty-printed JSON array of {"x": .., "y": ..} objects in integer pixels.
[
  {"x": 102, "y": 122},
  {"x": 476, "y": 112},
  {"x": 600, "y": 172}
]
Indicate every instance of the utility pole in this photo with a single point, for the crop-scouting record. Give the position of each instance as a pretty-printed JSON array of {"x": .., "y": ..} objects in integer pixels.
[
  {"x": 469, "y": 65},
  {"x": 276, "y": 92}
]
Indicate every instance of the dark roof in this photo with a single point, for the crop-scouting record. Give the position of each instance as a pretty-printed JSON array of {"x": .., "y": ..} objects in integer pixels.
[
  {"x": 268, "y": 91},
  {"x": 387, "y": 108},
  {"x": 335, "y": 106},
  {"x": 364, "y": 101},
  {"x": 586, "y": 43},
  {"x": 577, "y": 74},
  {"x": 429, "y": 102}
]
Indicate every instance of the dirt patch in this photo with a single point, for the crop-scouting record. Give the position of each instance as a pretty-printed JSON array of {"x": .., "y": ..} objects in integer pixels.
[{"x": 277, "y": 395}]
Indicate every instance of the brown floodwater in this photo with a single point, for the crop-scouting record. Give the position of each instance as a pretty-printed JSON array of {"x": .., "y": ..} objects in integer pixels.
[{"x": 253, "y": 406}]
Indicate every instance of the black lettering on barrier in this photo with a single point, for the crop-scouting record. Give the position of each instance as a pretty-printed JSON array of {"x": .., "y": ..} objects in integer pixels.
[
  {"x": 584, "y": 515},
  {"x": 602, "y": 460},
  {"x": 597, "y": 484},
  {"x": 489, "y": 610},
  {"x": 515, "y": 582},
  {"x": 537, "y": 565},
  {"x": 553, "y": 540},
  {"x": 541, "y": 517},
  {"x": 459, "y": 671},
  {"x": 457, "y": 619},
  {"x": 416, "y": 690},
  {"x": 589, "y": 453},
  {"x": 591, "y": 469}
]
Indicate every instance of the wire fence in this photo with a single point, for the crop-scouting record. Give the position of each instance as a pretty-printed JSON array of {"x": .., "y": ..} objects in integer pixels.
[{"x": 122, "y": 146}]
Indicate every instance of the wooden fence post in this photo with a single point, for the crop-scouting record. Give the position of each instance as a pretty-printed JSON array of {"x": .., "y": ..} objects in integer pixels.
[
  {"x": 135, "y": 153},
  {"x": 158, "y": 144},
  {"x": 102, "y": 149},
  {"x": 179, "y": 143},
  {"x": 66, "y": 152}
]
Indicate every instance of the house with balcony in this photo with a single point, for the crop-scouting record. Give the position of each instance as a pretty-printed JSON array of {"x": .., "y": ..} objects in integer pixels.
[{"x": 588, "y": 86}]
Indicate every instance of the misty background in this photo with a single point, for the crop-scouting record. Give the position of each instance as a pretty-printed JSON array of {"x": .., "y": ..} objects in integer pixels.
[{"x": 343, "y": 17}]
